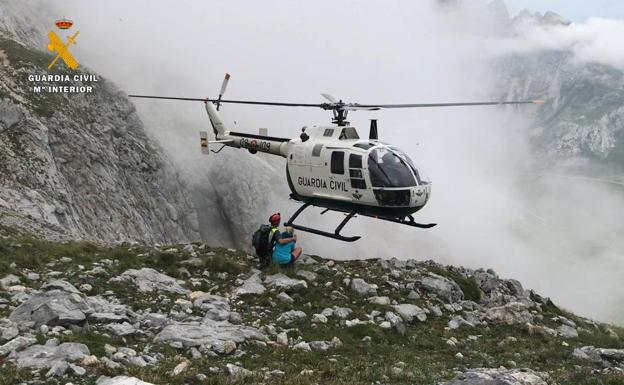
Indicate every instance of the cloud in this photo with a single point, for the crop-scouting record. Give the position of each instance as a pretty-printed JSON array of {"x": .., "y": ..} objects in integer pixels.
[{"x": 597, "y": 40}]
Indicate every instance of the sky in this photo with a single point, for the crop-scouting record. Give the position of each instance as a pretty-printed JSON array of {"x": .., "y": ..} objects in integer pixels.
[{"x": 575, "y": 10}]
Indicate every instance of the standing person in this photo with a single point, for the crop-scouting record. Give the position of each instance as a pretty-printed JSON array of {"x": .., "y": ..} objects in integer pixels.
[
  {"x": 265, "y": 238},
  {"x": 285, "y": 252}
]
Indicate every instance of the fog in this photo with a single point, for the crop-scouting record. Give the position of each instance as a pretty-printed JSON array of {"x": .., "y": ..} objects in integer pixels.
[{"x": 561, "y": 238}]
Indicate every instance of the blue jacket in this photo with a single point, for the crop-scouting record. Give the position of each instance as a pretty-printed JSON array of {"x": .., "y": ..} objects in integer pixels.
[{"x": 282, "y": 253}]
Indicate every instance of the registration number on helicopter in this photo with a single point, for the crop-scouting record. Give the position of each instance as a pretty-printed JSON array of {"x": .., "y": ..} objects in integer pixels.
[{"x": 255, "y": 144}]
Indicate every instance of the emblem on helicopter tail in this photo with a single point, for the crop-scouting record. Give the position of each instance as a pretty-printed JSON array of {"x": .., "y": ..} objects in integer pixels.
[{"x": 357, "y": 195}]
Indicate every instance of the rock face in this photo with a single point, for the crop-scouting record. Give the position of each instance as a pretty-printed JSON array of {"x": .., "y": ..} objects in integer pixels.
[
  {"x": 497, "y": 377},
  {"x": 583, "y": 113},
  {"x": 81, "y": 165}
]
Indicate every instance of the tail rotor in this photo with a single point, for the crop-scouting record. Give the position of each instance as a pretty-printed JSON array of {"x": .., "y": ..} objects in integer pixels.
[{"x": 226, "y": 79}]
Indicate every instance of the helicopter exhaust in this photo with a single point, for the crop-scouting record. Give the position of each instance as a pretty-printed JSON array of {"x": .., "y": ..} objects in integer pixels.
[{"x": 372, "y": 135}]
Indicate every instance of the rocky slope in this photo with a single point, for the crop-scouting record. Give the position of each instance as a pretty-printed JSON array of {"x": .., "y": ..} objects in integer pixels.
[
  {"x": 81, "y": 165},
  {"x": 584, "y": 114},
  {"x": 582, "y": 122},
  {"x": 191, "y": 314}
]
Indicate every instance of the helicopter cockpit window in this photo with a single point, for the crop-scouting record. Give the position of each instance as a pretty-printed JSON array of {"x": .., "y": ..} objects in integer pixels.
[
  {"x": 337, "y": 162},
  {"x": 420, "y": 177},
  {"x": 387, "y": 169},
  {"x": 316, "y": 150}
]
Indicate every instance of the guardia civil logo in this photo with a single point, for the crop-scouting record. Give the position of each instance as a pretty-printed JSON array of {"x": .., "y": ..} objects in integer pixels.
[
  {"x": 60, "y": 81},
  {"x": 62, "y": 49}
]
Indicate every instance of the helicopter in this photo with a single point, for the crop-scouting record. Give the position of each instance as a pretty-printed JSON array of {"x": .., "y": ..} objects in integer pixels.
[{"x": 331, "y": 166}]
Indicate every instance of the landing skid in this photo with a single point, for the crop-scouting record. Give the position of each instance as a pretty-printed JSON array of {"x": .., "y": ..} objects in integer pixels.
[{"x": 408, "y": 220}]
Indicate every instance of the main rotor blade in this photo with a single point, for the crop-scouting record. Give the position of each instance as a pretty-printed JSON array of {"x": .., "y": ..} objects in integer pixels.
[
  {"x": 421, "y": 105},
  {"x": 322, "y": 105},
  {"x": 342, "y": 106}
]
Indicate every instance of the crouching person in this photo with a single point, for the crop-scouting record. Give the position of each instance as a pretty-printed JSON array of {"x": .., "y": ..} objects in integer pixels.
[{"x": 285, "y": 252}]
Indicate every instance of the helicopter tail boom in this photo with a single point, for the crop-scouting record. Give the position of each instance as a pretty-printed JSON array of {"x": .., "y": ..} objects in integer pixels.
[{"x": 215, "y": 120}]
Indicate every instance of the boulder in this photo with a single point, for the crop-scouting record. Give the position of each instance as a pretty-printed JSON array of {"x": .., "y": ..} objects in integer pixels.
[
  {"x": 444, "y": 288},
  {"x": 148, "y": 280},
  {"x": 60, "y": 285},
  {"x": 49, "y": 355},
  {"x": 567, "y": 331},
  {"x": 320, "y": 346},
  {"x": 282, "y": 282},
  {"x": 383, "y": 301},
  {"x": 285, "y": 297},
  {"x": 120, "y": 380},
  {"x": 8, "y": 281},
  {"x": 457, "y": 321},
  {"x": 511, "y": 313},
  {"x": 409, "y": 312},
  {"x": 252, "y": 285},
  {"x": 216, "y": 307},
  {"x": 120, "y": 329},
  {"x": 208, "y": 332},
  {"x": 319, "y": 318},
  {"x": 341, "y": 312},
  {"x": 16, "y": 344},
  {"x": 8, "y": 329},
  {"x": 308, "y": 275},
  {"x": 607, "y": 357},
  {"x": 60, "y": 303},
  {"x": 362, "y": 287},
  {"x": 237, "y": 371},
  {"x": 497, "y": 377},
  {"x": 302, "y": 346},
  {"x": 291, "y": 315}
]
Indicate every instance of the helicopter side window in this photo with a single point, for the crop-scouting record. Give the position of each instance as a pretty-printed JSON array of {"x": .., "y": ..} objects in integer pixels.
[
  {"x": 316, "y": 150},
  {"x": 355, "y": 172},
  {"x": 355, "y": 161},
  {"x": 337, "y": 162}
]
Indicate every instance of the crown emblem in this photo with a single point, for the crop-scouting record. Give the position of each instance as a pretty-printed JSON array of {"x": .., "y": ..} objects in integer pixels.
[{"x": 64, "y": 23}]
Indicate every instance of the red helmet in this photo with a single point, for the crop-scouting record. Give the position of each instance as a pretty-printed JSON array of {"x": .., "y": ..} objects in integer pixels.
[{"x": 275, "y": 219}]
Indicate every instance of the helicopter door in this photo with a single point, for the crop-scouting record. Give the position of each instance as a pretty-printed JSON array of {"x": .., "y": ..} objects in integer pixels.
[
  {"x": 338, "y": 179},
  {"x": 356, "y": 174}
]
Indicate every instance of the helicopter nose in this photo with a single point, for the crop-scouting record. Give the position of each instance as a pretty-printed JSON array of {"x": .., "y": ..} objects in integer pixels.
[{"x": 420, "y": 195}]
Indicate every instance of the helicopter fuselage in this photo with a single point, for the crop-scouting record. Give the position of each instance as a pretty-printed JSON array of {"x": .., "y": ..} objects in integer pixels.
[{"x": 331, "y": 167}]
